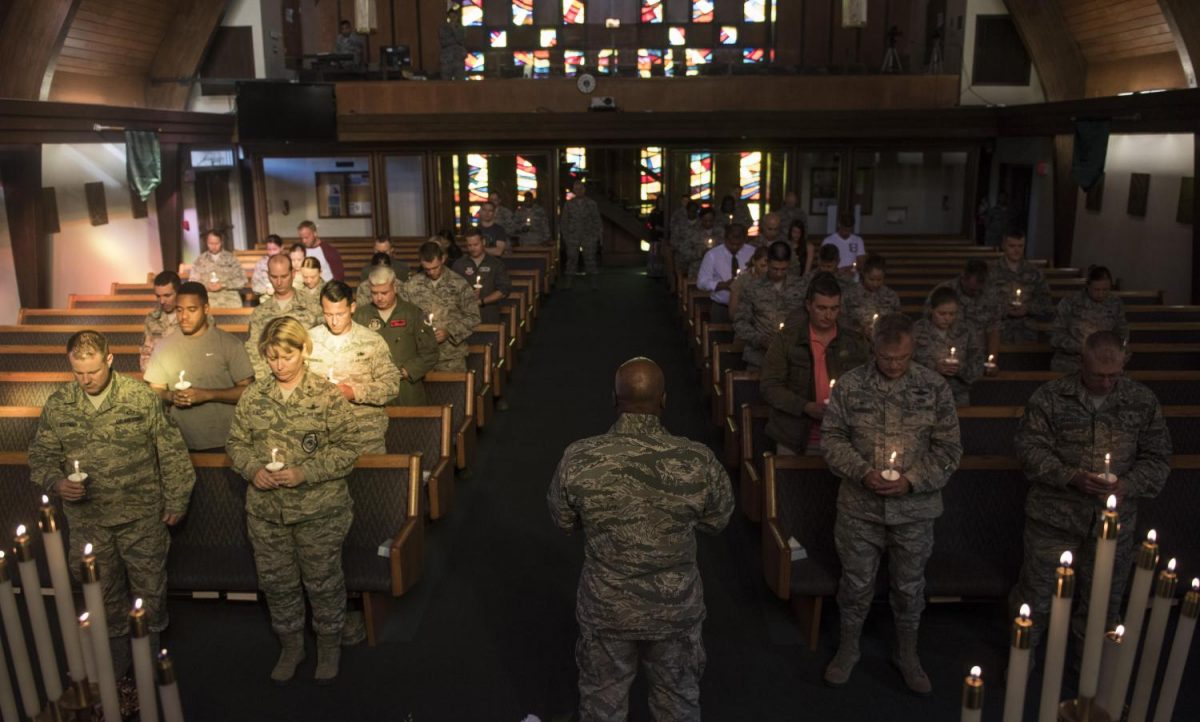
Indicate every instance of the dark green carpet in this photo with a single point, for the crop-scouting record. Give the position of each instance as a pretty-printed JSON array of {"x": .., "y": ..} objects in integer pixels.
[{"x": 489, "y": 632}]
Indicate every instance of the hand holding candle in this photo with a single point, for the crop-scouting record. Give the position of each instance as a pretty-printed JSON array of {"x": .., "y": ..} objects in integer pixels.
[
  {"x": 275, "y": 464},
  {"x": 181, "y": 384},
  {"x": 972, "y": 699},
  {"x": 1108, "y": 475},
  {"x": 890, "y": 473},
  {"x": 1018, "y": 667}
]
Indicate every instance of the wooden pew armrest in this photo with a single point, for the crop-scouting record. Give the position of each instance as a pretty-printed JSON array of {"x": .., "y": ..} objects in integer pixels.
[
  {"x": 441, "y": 488},
  {"x": 408, "y": 555},
  {"x": 777, "y": 559}
]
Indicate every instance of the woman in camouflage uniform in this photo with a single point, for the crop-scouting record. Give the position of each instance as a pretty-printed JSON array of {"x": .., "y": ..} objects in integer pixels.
[
  {"x": 1077, "y": 317},
  {"x": 939, "y": 331},
  {"x": 308, "y": 283}
]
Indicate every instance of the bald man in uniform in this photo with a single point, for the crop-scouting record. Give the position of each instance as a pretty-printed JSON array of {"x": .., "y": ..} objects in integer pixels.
[{"x": 640, "y": 494}]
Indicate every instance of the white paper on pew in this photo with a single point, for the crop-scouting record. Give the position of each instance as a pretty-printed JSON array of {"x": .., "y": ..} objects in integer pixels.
[
  {"x": 385, "y": 549},
  {"x": 425, "y": 476},
  {"x": 798, "y": 551}
]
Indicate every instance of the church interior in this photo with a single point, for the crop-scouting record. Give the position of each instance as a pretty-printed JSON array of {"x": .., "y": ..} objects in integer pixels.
[{"x": 135, "y": 132}]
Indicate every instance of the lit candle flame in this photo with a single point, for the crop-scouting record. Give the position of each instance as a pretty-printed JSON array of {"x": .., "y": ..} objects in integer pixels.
[
  {"x": 953, "y": 351},
  {"x": 1018, "y": 294},
  {"x": 87, "y": 549},
  {"x": 1066, "y": 559},
  {"x": 181, "y": 376},
  {"x": 45, "y": 499},
  {"x": 137, "y": 604},
  {"x": 1171, "y": 565},
  {"x": 1119, "y": 631},
  {"x": 781, "y": 325},
  {"x": 1196, "y": 584},
  {"x": 1152, "y": 536},
  {"x": 274, "y": 455},
  {"x": 991, "y": 358},
  {"x": 874, "y": 318},
  {"x": 430, "y": 321},
  {"x": 1, "y": 555},
  {"x": 893, "y": 459},
  {"x": 83, "y": 618},
  {"x": 831, "y": 383},
  {"x": 1112, "y": 502},
  {"x": 77, "y": 466},
  {"x": 976, "y": 672},
  {"x": 21, "y": 530},
  {"x": 1025, "y": 611}
]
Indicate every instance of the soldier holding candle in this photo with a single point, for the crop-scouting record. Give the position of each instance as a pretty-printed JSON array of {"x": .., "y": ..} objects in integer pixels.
[
  {"x": 139, "y": 480},
  {"x": 449, "y": 301},
  {"x": 1068, "y": 426}
]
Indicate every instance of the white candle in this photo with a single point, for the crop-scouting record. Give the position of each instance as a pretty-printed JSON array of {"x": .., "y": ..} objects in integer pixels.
[
  {"x": 16, "y": 644},
  {"x": 1135, "y": 614},
  {"x": 1018, "y": 299},
  {"x": 991, "y": 358},
  {"x": 85, "y": 642},
  {"x": 953, "y": 353},
  {"x": 93, "y": 599},
  {"x": 832, "y": 383},
  {"x": 890, "y": 472},
  {"x": 781, "y": 325},
  {"x": 143, "y": 663},
  {"x": 1113, "y": 641},
  {"x": 429, "y": 320},
  {"x": 8, "y": 700},
  {"x": 1164, "y": 593},
  {"x": 182, "y": 385},
  {"x": 60, "y": 578},
  {"x": 1018, "y": 667},
  {"x": 478, "y": 283},
  {"x": 1184, "y": 631},
  {"x": 213, "y": 277},
  {"x": 1056, "y": 640},
  {"x": 972, "y": 698},
  {"x": 77, "y": 467},
  {"x": 168, "y": 688},
  {"x": 274, "y": 455},
  {"x": 1097, "y": 620},
  {"x": 874, "y": 318},
  {"x": 1108, "y": 467},
  {"x": 31, "y": 589}
]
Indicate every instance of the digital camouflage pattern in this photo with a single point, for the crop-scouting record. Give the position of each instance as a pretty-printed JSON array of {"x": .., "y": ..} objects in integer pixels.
[
  {"x": 359, "y": 358},
  {"x": 310, "y": 296},
  {"x": 859, "y": 305},
  {"x": 931, "y": 345},
  {"x": 700, "y": 241},
  {"x": 455, "y": 310},
  {"x": 411, "y": 343},
  {"x": 607, "y": 667},
  {"x": 158, "y": 325},
  {"x": 260, "y": 279},
  {"x": 640, "y": 494},
  {"x": 982, "y": 312},
  {"x": 581, "y": 228},
  {"x": 860, "y": 544},
  {"x": 1035, "y": 294},
  {"x": 533, "y": 228},
  {"x": 1061, "y": 434},
  {"x": 132, "y": 559},
  {"x": 229, "y": 274},
  {"x": 506, "y": 219},
  {"x": 762, "y": 307},
  {"x": 268, "y": 309},
  {"x": 1078, "y": 317}
]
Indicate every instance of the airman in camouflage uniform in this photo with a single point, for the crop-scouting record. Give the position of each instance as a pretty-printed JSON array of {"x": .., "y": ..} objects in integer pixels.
[
  {"x": 826, "y": 263},
  {"x": 640, "y": 494},
  {"x": 765, "y": 303},
  {"x": 451, "y": 301},
  {"x": 888, "y": 406},
  {"x": 410, "y": 340},
  {"x": 356, "y": 360},
  {"x": 139, "y": 481},
  {"x": 282, "y": 301},
  {"x": 1077, "y": 317},
  {"x": 932, "y": 345},
  {"x": 1014, "y": 272},
  {"x": 978, "y": 304},
  {"x": 581, "y": 228},
  {"x": 870, "y": 298},
  {"x": 1068, "y": 426},
  {"x": 297, "y": 518},
  {"x": 790, "y": 212},
  {"x": 221, "y": 273},
  {"x": 702, "y": 236},
  {"x": 162, "y": 321},
  {"x": 532, "y": 226}
]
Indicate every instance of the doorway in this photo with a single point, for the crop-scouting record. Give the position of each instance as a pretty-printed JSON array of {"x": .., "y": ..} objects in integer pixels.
[{"x": 1016, "y": 181}]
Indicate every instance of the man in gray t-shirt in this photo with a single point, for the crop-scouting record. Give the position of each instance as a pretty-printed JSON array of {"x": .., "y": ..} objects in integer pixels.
[{"x": 209, "y": 364}]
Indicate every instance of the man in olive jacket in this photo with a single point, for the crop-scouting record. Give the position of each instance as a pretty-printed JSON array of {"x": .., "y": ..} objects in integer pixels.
[{"x": 812, "y": 350}]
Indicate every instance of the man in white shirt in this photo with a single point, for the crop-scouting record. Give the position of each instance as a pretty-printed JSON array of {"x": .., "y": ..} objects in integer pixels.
[
  {"x": 851, "y": 248},
  {"x": 720, "y": 266}
]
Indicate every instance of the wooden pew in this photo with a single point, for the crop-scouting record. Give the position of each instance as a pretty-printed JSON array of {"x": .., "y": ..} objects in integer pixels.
[
  {"x": 54, "y": 358},
  {"x": 755, "y": 444},
  {"x": 739, "y": 387},
  {"x": 116, "y": 316},
  {"x": 1013, "y": 388},
  {"x": 57, "y": 335},
  {"x": 456, "y": 389},
  {"x": 210, "y": 551},
  {"x": 722, "y": 357},
  {"x": 426, "y": 430},
  {"x": 479, "y": 361},
  {"x": 1143, "y": 357}
]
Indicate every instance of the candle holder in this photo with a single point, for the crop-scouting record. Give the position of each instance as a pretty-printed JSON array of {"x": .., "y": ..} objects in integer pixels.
[
  {"x": 972, "y": 698},
  {"x": 990, "y": 364},
  {"x": 1083, "y": 709}
]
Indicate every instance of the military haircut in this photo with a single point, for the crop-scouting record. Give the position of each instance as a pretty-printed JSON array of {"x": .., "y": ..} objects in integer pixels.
[
  {"x": 845, "y": 220},
  {"x": 381, "y": 259},
  {"x": 487, "y": 203},
  {"x": 760, "y": 253},
  {"x": 1098, "y": 273},
  {"x": 829, "y": 252},
  {"x": 735, "y": 230},
  {"x": 892, "y": 328},
  {"x": 825, "y": 284},
  {"x": 192, "y": 288},
  {"x": 431, "y": 251},
  {"x": 874, "y": 262},
  {"x": 273, "y": 238},
  {"x": 307, "y": 224},
  {"x": 942, "y": 295},
  {"x": 778, "y": 251},
  {"x": 170, "y": 277},
  {"x": 976, "y": 269},
  {"x": 279, "y": 259},
  {"x": 284, "y": 331},
  {"x": 212, "y": 232},
  {"x": 311, "y": 262},
  {"x": 1015, "y": 230},
  {"x": 381, "y": 275},
  {"x": 336, "y": 292},
  {"x": 87, "y": 342},
  {"x": 1105, "y": 345},
  {"x": 471, "y": 231}
]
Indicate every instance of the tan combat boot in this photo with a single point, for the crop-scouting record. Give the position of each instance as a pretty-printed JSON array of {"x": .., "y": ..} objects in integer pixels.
[
  {"x": 290, "y": 657},
  {"x": 906, "y": 660},
  {"x": 838, "y": 671},
  {"x": 354, "y": 631},
  {"x": 329, "y": 653}
]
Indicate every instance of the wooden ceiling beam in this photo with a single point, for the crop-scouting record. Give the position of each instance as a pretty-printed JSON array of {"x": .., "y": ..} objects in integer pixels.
[
  {"x": 1183, "y": 17},
  {"x": 30, "y": 40},
  {"x": 173, "y": 70},
  {"x": 1058, "y": 59}
]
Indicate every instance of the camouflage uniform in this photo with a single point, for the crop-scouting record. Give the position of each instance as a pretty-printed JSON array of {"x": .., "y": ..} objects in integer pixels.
[
  {"x": 359, "y": 358},
  {"x": 229, "y": 273},
  {"x": 762, "y": 306},
  {"x": 138, "y": 469},
  {"x": 310, "y": 296},
  {"x": 362, "y": 294},
  {"x": 581, "y": 227},
  {"x": 413, "y": 347},
  {"x": 492, "y": 276},
  {"x": 1061, "y": 433},
  {"x": 267, "y": 310},
  {"x": 698, "y": 245},
  {"x": 931, "y": 345},
  {"x": 788, "y": 216},
  {"x": 1035, "y": 293},
  {"x": 677, "y": 234},
  {"x": 297, "y": 533},
  {"x": 859, "y": 305},
  {"x": 1077, "y": 318},
  {"x": 506, "y": 220},
  {"x": 158, "y": 325},
  {"x": 982, "y": 312},
  {"x": 533, "y": 228},
  {"x": 639, "y": 494},
  {"x": 260, "y": 280},
  {"x": 868, "y": 418},
  {"x": 455, "y": 309},
  {"x": 787, "y": 376},
  {"x": 453, "y": 53}
]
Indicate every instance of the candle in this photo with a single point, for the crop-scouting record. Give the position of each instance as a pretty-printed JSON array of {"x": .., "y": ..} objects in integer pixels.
[
  {"x": 85, "y": 642},
  {"x": 890, "y": 472},
  {"x": 93, "y": 598},
  {"x": 1017, "y": 298},
  {"x": 972, "y": 697},
  {"x": 991, "y": 358},
  {"x": 874, "y": 318},
  {"x": 275, "y": 464},
  {"x": 16, "y": 643},
  {"x": 76, "y": 467},
  {"x": 429, "y": 320},
  {"x": 31, "y": 588},
  {"x": 8, "y": 701},
  {"x": 274, "y": 455},
  {"x": 1018, "y": 667},
  {"x": 832, "y": 383},
  {"x": 1056, "y": 641},
  {"x": 1108, "y": 665},
  {"x": 953, "y": 354},
  {"x": 168, "y": 688},
  {"x": 143, "y": 664},
  {"x": 213, "y": 277},
  {"x": 1108, "y": 468},
  {"x": 1135, "y": 613},
  {"x": 478, "y": 282},
  {"x": 1179, "y": 653},
  {"x": 1097, "y": 620},
  {"x": 182, "y": 385},
  {"x": 329, "y": 375},
  {"x": 1164, "y": 593},
  {"x": 60, "y": 578}
]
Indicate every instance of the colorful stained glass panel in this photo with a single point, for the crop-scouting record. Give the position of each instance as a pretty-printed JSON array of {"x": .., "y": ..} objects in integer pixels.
[
  {"x": 474, "y": 63},
  {"x": 606, "y": 62},
  {"x": 472, "y": 13},
  {"x": 548, "y": 37},
  {"x": 573, "y": 12},
  {"x": 498, "y": 38},
  {"x": 695, "y": 57},
  {"x": 651, "y": 177},
  {"x": 753, "y": 55},
  {"x": 677, "y": 36},
  {"x": 729, "y": 34},
  {"x": 526, "y": 176},
  {"x": 702, "y": 11},
  {"x": 652, "y": 11},
  {"x": 701, "y": 176},
  {"x": 572, "y": 61},
  {"x": 755, "y": 11},
  {"x": 522, "y": 12}
]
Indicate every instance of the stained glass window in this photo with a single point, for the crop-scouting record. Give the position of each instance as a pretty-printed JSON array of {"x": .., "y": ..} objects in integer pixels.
[
  {"x": 572, "y": 61},
  {"x": 522, "y": 12},
  {"x": 541, "y": 62},
  {"x": 472, "y": 12},
  {"x": 677, "y": 36},
  {"x": 474, "y": 63},
  {"x": 526, "y": 176},
  {"x": 669, "y": 63},
  {"x": 651, "y": 182},
  {"x": 647, "y": 59},
  {"x": 521, "y": 58},
  {"x": 729, "y": 34},
  {"x": 652, "y": 11},
  {"x": 606, "y": 63},
  {"x": 548, "y": 37},
  {"x": 753, "y": 55},
  {"x": 573, "y": 13},
  {"x": 702, "y": 11},
  {"x": 750, "y": 180},
  {"x": 697, "y": 57},
  {"x": 477, "y": 182},
  {"x": 754, "y": 11},
  {"x": 498, "y": 38},
  {"x": 577, "y": 158},
  {"x": 701, "y": 178}
]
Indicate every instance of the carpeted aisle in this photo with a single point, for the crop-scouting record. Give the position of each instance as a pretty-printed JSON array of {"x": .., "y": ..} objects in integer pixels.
[{"x": 489, "y": 633}]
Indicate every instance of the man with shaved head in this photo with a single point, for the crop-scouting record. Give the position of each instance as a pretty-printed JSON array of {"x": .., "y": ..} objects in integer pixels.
[
  {"x": 640, "y": 494},
  {"x": 282, "y": 301}
]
